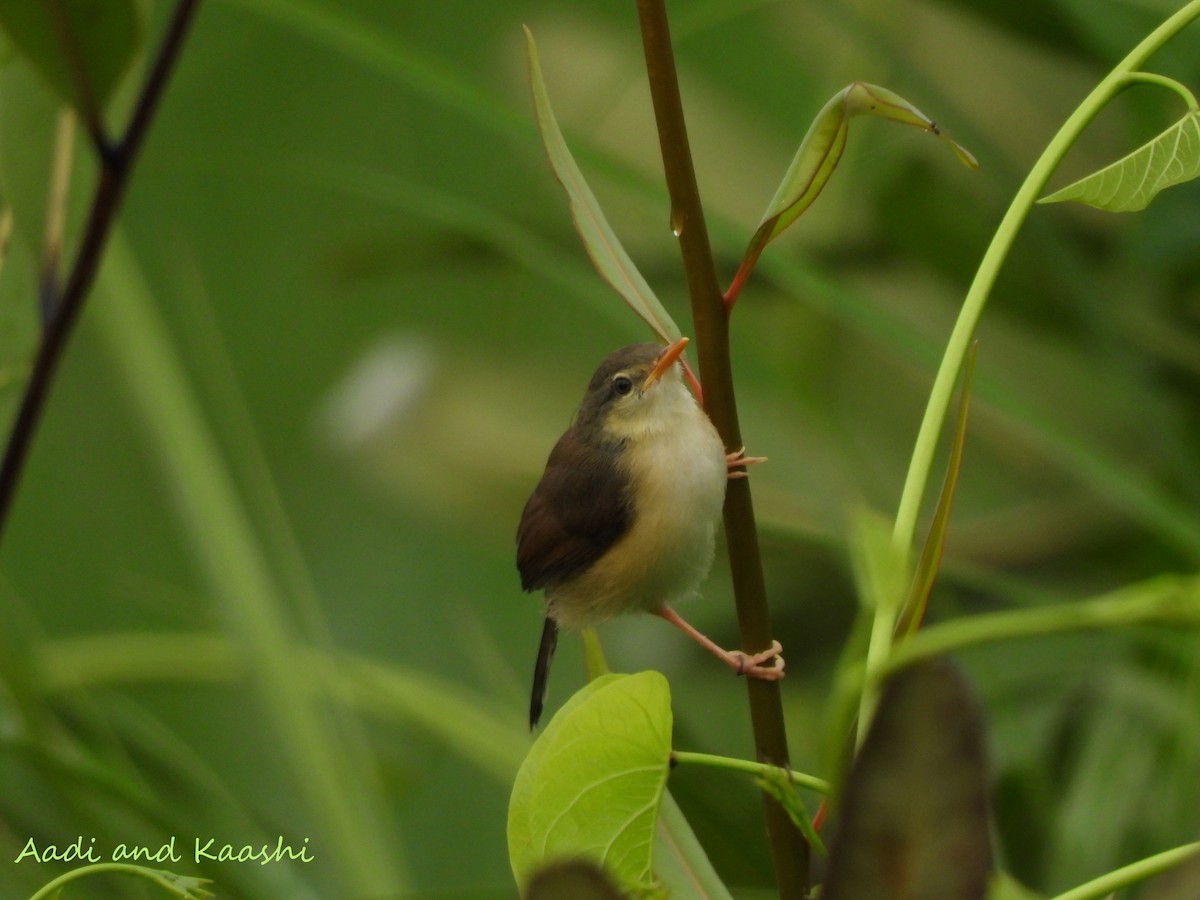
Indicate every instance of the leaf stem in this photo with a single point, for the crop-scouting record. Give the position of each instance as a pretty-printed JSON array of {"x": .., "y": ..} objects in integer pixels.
[
  {"x": 1002, "y": 241},
  {"x": 709, "y": 314},
  {"x": 1163, "y": 81},
  {"x": 1107, "y": 884},
  {"x": 1168, "y": 599},
  {"x": 177, "y": 885},
  {"x": 750, "y": 767},
  {"x": 116, "y": 164}
]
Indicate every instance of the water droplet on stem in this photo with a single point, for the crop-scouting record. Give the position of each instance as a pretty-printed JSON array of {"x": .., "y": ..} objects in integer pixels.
[{"x": 677, "y": 221}]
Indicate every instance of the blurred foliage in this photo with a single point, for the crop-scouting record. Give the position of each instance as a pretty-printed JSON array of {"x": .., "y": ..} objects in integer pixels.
[{"x": 368, "y": 278}]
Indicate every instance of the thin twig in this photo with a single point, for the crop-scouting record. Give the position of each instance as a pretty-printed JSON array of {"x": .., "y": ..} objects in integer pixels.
[
  {"x": 788, "y": 849},
  {"x": 116, "y": 163}
]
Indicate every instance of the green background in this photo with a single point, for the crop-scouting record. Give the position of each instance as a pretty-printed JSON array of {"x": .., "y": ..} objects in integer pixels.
[{"x": 369, "y": 279}]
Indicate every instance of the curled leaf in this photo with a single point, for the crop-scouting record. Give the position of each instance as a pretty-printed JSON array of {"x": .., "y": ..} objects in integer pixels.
[
  {"x": 820, "y": 152},
  {"x": 1129, "y": 184},
  {"x": 601, "y": 243}
]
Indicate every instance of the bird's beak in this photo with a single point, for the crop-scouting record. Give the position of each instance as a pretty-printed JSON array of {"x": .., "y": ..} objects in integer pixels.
[{"x": 666, "y": 359}]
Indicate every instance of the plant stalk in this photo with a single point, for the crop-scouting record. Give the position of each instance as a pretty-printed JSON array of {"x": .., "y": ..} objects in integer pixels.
[
  {"x": 963, "y": 332},
  {"x": 61, "y": 313},
  {"x": 790, "y": 853},
  {"x": 749, "y": 767}
]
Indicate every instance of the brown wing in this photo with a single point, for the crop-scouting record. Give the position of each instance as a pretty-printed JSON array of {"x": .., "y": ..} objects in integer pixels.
[{"x": 577, "y": 511}]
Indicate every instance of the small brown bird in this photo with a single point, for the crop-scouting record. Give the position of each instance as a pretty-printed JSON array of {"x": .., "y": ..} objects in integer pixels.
[{"x": 626, "y": 511}]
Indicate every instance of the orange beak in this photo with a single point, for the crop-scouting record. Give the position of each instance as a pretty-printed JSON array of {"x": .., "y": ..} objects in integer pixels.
[{"x": 666, "y": 359}]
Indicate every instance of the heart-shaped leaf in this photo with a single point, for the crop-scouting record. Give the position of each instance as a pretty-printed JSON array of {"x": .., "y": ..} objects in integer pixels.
[
  {"x": 80, "y": 47},
  {"x": 591, "y": 784},
  {"x": 819, "y": 154},
  {"x": 1129, "y": 184},
  {"x": 601, "y": 243}
]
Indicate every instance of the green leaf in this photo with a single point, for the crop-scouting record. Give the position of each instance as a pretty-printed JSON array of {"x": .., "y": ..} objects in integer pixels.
[
  {"x": 680, "y": 863},
  {"x": 591, "y": 784},
  {"x": 1129, "y": 184},
  {"x": 80, "y": 47},
  {"x": 879, "y": 566},
  {"x": 778, "y": 783},
  {"x": 601, "y": 243},
  {"x": 914, "y": 811},
  {"x": 931, "y": 554},
  {"x": 820, "y": 152}
]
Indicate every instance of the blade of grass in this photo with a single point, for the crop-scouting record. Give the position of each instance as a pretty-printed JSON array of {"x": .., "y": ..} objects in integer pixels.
[
  {"x": 229, "y": 554},
  {"x": 463, "y": 722}
]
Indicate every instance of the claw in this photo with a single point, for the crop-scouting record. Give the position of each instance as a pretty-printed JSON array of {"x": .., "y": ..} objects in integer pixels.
[
  {"x": 750, "y": 665},
  {"x": 736, "y": 462},
  {"x": 739, "y": 660}
]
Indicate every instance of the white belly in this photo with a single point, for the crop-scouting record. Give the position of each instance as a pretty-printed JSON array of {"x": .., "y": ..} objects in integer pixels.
[{"x": 678, "y": 479}]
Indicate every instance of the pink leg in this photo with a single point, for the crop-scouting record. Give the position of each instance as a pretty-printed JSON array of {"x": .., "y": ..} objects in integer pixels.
[
  {"x": 741, "y": 663},
  {"x": 737, "y": 459}
]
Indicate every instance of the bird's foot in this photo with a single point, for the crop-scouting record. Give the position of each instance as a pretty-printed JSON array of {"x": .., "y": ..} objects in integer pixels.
[
  {"x": 737, "y": 461},
  {"x": 751, "y": 665}
]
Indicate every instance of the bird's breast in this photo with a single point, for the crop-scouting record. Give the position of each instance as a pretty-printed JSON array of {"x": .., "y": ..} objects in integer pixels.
[{"x": 677, "y": 479}]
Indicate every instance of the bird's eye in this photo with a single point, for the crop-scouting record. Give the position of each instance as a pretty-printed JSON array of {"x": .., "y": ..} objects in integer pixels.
[{"x": 622, "y": 385}]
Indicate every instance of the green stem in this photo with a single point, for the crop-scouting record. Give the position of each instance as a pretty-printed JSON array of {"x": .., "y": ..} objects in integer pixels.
[
  {"x": 1105, "y": 885},
  {"x": 989, "y": 267},
  {"x": 1164, "y": 82},
  {"x": 53, "y": 888},
  {"x": 789, "y": 851},
  {"x": 1168, "y": 599},
  {"x": 750, "y": 767}
]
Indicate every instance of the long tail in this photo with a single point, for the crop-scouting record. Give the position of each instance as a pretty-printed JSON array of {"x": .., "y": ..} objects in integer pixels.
[{"x": 541, "y": 671}]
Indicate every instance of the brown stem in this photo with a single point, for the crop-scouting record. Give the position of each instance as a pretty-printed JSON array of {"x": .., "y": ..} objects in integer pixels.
[
  {"x": 116, "y": 163},
  {"x": 788, "y": 849}
]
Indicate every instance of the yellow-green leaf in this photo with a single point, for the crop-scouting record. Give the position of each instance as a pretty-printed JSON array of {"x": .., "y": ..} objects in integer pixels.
[
  {"x": 601, "y": 243},
  {"x": 1129, "y": 184},
  {"x": 820, "y": 152},
  {"x": 592, "y": 783}
]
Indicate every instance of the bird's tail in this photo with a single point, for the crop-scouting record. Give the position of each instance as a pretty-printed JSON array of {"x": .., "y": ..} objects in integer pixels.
[{"x": 541, "y": 670}]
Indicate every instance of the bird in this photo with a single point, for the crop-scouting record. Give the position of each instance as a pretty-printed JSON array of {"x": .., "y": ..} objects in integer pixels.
[{"x": 625, "y": 514}]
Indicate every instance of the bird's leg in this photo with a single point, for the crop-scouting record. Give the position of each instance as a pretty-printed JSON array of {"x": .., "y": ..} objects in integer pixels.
[
  {"x": 747, "y": 664},
  {"x": 736, "y": 462}
]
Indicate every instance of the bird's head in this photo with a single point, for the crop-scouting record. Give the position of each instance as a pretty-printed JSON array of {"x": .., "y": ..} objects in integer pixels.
[{"x": 637, "y": 390}]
